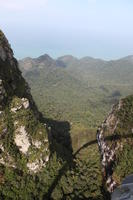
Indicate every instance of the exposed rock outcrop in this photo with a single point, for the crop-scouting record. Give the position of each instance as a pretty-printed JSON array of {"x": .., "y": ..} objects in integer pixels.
[
  {"x": 108, "y": 151},
  {"x": 108, "y": 156},
  {"x": 113, "y": 136},
  {"x": 22, "y": 140},
  {"x": 20, "y": 127}
]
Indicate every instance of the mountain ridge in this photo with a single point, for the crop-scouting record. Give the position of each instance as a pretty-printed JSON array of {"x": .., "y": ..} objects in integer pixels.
[
  {"x": 42, "y": 158},
  {"x": 94, "y": 82},
  {"x": 69, "y": 56}
]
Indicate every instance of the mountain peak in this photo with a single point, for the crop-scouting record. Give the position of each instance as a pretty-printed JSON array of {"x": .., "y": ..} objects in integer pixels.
[
  {"x": 44, "y": 58},
  {"x": 91, "y": 59},
  {"x": 67, "y": 57},
  {"x": 66, "y": 60}
]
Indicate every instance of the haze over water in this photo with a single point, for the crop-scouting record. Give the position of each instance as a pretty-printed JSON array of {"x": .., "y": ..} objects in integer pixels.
[{"x": 78, "y": 27}]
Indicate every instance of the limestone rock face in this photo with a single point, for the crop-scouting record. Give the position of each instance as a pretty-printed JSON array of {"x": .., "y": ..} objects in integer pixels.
[
  {"x": 115, "y": 140},
  {"x": 21, "y": 139},
  {"x": 20, "y": 125},
  {"x": 25, "y": 103}
]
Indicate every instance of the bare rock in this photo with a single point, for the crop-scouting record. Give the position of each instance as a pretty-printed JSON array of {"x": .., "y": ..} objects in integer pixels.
[
  {"x": 36, "y": 166},
  {"x": 26, "y": 103},
  {"x": 22, "y": 140},
  {"x": 37, "y": 144}
]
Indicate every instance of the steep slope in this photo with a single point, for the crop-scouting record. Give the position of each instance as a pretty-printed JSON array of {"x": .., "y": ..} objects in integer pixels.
[
  {"x": 115, "y": 140},
  {"x": 36, "y": 160},
  {"x": 24, "y": 147},
  {"x": 20, "y": 128}
]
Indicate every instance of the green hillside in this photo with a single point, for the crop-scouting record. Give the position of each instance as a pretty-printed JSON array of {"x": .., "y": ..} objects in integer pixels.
[
  {"x": 37, "y": 159},
  {"x": 55, "y": 155},
  {"x": 80, "y": 91}
]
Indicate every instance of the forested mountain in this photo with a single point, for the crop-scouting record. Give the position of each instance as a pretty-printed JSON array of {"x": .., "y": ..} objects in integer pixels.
[
  {"x": 37, "y": 160},
  {"x": 48, "y": 157},
  {"x": 79, "y": 90}
]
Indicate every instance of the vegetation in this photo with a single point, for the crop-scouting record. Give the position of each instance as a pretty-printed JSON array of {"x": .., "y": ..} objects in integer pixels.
[
  {"x": 125, "y": 156},
  {"x": 79, "y": 91},
  {"x": 73, "y": 104}
]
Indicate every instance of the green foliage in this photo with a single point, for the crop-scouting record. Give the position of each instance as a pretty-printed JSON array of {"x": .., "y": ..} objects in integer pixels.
[
  {"x": 124, "y": 164},
  {"x": 82, "y": 92},
  {"x": 83, "y": 180},
  {"x": 8, "y": 139},
  {"x": 64, "y": 94}
]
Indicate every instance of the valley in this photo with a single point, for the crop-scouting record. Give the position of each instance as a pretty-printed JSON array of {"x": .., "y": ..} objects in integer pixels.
[
  {"x": 80, "y": 91},
  {"x": 48, "y": 147}
]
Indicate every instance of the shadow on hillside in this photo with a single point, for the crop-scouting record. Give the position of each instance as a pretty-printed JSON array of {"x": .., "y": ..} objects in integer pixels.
[
  {"x": 107, "y": 138},
  {"x": 66, "y": 166},
  {"x": 60, "y": 143},
  {"x": 60, "y": 138}
]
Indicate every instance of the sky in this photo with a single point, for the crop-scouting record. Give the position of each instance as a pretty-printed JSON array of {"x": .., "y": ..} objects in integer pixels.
[{"x": 97, "y": 28}]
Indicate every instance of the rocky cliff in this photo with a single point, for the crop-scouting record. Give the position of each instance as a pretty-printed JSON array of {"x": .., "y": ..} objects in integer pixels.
[
  {"x": 32, "y": 165},
  {"x": 30, "y": 156},
  {"x": 115, "y": 140},
  {"x": 35, "y": 166},
  {"x": 23, "y": 139}
]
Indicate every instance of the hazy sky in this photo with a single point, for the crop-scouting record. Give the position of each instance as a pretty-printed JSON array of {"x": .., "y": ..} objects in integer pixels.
[{"x": 98, "y": 28}]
